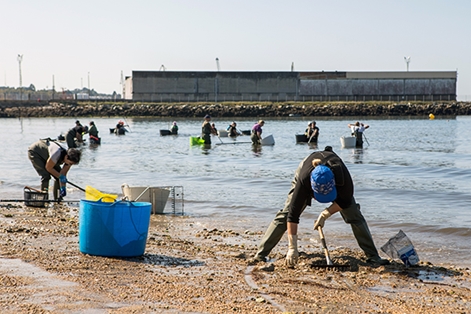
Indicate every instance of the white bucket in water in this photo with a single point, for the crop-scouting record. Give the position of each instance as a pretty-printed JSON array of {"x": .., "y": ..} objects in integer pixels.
[
  {"x": 348, "y": 141},
  {"x": 223, "y": 133},
  {"x": 156, "y": 196},
  {"x": 268, "y": 140}
]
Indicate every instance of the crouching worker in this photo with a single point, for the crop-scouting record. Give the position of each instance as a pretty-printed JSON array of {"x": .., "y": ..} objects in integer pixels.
[
  {"x": 47, "y": 157},
  {"x": 324, "y": 177}
]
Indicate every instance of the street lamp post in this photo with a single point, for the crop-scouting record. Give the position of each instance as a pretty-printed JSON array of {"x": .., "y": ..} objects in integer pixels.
[
  {"x": 407, "y": 60},
  {"x": 20, "y": 59}
]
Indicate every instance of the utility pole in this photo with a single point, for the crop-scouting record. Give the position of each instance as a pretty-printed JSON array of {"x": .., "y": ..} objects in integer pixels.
[
  {"x": 407, "y": 60},
  {"x": 122, "y": 84},
  {"x": 88, "y": 84},
  {"x": 20, "y": 59},
  {"x": 53, "y": 87},
  {"x": 216, "y": 84}
]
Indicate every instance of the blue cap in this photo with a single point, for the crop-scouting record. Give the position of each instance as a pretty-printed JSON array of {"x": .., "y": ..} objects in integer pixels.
[
  {"x": 323, "y": 184},
  {"x": 207, "y": 116}
]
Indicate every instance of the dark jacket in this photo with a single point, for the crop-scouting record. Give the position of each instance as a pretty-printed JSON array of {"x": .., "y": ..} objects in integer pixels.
[{"x": 302, "y": 192}]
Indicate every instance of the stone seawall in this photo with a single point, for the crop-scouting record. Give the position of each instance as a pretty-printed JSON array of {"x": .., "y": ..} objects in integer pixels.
[{"x": 109, "y": 109}]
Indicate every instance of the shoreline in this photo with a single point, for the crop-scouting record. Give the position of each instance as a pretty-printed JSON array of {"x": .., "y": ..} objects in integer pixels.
[
  {"x": 12, "y": 109},
  {"x": 193, "y": 265}
]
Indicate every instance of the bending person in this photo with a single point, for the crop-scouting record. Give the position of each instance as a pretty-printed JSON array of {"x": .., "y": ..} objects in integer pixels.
[
  {"x": 47, "y": 157},
  {"x": 75, "y": 134},
  {"x": 93, "y": 134},
  {"x": 324, "y": 177},
  {"x": 312, "y": 132},
  {"x": 233, "y": 132},
  {"x": 256, "y": 135}
]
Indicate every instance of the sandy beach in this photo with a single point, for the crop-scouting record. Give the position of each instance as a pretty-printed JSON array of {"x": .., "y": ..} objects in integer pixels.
[{"x": 192, "y": 266}]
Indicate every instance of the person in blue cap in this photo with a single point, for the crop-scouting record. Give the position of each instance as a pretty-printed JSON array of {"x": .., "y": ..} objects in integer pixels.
[{"x": 324, "y": 177}]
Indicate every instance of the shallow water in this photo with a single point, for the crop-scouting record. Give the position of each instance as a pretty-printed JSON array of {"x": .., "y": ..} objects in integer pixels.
[{"x": 412, "y": 174}]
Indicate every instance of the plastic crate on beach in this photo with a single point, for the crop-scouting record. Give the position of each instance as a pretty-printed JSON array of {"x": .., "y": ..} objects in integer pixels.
[{"x": 34, "y": 197}]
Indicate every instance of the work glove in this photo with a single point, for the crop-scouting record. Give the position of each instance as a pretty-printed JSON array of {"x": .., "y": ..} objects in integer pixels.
[
  {"x": 63, "y": 178},
  {"x": 292, "y": 255},
  {"x": 321, "y": 219},
  {"x": 63, "y": 191}
]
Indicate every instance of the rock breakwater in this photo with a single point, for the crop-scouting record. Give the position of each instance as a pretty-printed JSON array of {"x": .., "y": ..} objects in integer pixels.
[{"x": 110, "y": 109}]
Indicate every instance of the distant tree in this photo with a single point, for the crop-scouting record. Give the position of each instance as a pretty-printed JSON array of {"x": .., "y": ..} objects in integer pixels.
[{"x": 32, "y": 87}]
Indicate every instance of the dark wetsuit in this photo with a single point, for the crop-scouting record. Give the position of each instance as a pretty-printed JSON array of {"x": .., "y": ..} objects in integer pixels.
[
  {"x": 300, "y": 196},
  {"x": 206, "y": 130}
]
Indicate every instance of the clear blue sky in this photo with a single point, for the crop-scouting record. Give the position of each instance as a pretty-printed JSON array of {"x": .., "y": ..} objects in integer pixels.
[{"x": 81, "y": 41}]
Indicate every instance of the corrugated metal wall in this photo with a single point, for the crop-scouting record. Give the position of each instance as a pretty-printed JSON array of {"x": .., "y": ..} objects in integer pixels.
[{"x": 293, "y": 86}]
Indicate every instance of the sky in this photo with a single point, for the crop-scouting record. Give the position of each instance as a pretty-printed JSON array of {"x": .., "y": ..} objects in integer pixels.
[{"x": 89, "y": 43}]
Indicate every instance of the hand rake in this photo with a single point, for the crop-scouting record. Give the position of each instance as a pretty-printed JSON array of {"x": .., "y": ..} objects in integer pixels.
[{"x": 329, "y": 264}]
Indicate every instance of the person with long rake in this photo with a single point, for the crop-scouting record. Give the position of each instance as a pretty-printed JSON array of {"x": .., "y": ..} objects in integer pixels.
[
  {"x": 324, "y": 177},
  {"x": 49, "y": 158}
]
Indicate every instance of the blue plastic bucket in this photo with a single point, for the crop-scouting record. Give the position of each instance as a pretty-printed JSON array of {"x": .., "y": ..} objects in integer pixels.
[{"x": 113, "y": 229}]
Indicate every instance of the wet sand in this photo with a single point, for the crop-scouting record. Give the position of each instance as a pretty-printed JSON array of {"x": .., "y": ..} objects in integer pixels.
[{"x": 192, "y": 266}]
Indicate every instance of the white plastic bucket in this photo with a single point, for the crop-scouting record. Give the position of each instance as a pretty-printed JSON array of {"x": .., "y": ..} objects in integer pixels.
[
  {"x": 156, "y": 196},
  {"x": 348, "y": 141},
  {"x": 268, "y": 140},
  {"x": 223, "y": 133}
]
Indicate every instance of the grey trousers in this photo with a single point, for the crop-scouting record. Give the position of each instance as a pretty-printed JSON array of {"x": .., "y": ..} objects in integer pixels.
[{"x": 351, "y": 215}]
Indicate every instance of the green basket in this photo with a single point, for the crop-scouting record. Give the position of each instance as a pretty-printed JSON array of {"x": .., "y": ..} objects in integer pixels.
[{"x": 196, "y": 140}]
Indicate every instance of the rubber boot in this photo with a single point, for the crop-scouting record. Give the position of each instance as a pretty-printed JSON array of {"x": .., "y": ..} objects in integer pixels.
[
  {"x": 273, "y": 235},
  {"x": 55, "y": 190},
  {"x": 44, "y": 185},
  {"x": 353, "y": 216},
  {"x": 364, "y": 239}
]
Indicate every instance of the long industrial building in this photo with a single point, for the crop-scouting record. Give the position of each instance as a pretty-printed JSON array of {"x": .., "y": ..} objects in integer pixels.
[{"x": 223, "y": 86}]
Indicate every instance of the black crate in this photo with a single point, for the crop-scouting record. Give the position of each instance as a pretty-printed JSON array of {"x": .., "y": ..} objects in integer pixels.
[{"x": 35, "y": 198}]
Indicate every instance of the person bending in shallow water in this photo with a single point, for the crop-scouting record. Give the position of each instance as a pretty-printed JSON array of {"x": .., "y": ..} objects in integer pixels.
[
  {"x": 256, "y": 135},
  {"x": 47, "y": 157},
  {"x": 312, "y": 132},
  {"x": 233, "y": 132},
  {"x": 324, "y": 177}
]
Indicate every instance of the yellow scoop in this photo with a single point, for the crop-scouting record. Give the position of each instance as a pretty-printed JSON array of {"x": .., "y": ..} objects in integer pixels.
[{"x": 93, "y": 194}]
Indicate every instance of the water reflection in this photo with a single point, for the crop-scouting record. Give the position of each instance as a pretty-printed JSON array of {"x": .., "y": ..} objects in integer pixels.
[
  {"x": 357, "y": 155},
  {"x": 205, "y": 148},
  {"x": 257, "y": 150}
]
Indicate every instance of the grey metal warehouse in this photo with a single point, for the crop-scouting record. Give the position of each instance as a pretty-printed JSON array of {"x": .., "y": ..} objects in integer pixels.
[{"x": 222, "y": 86}]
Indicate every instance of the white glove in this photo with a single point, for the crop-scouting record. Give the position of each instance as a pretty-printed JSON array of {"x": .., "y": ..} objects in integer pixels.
[
  {"x": 292, "y": 255},
  {"x": 321, "y": 219}
]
